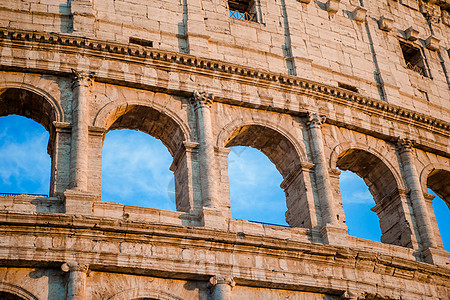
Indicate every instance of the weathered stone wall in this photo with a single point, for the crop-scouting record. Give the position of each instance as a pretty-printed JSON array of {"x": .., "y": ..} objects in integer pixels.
[{"x": 317, "y": 87}]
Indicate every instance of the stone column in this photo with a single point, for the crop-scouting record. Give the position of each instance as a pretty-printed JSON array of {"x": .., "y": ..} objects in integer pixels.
[
  {"x": 80, "y": 131},
  {"x": 221, "y": 287},
  {"x": 333, "y": 230},
  {"x": 411, "y": 178},
  {"x": 76, "y": 286},
  {"x": 323, "y": 183},
  {"x": 202, "y": 105}
]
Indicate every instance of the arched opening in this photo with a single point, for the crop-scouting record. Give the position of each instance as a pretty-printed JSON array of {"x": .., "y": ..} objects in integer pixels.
[
  {"x": 284, "y": 156},
  {"x": 438, "y": 183},
  {"x": 135, "y": 170},
  {"x": 27, "y": 104},
  {"x": 148, "y": 153},
  {"x": 8, "y": 296},
  {"x": 442, "y": 214},
  {"x": 361, "y": 221},
  {"x": 24, "y": 163},
  {"x": 255, "y": 187},
  {"x": 390, "y": 201}
]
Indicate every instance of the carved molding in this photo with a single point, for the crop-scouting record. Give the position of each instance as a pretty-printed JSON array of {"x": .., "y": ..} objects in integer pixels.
[
  {"x": 215, "y": 280},
  {"x": 405, "y": 144},
  {"x": 202, "y": 99},
  {"x": 82, "y": 78},
  {"x": 293, "y": 82},
  {"x": 74, "y": 267},
  {"x": 314, "y": 119}
]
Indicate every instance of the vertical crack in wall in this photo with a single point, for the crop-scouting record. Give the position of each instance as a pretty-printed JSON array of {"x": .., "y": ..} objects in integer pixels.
[
  {"x": 65, "y": 10},
  {"x": 441, "y": 59},
  {"x": 183, "y": 41},
  {"x": 377, "y": 73},
  {"x": 287, "y": 47}
]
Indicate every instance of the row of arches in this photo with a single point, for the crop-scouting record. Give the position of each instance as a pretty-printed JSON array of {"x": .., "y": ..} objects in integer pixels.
[{"x": 281, "y": 148}]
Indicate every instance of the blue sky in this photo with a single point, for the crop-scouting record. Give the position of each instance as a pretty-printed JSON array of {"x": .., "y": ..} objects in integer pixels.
[{"x": 136, "y": 172}]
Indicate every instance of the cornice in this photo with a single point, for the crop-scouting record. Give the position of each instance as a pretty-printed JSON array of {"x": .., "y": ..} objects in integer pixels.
[{"x": 184, "y": 61}]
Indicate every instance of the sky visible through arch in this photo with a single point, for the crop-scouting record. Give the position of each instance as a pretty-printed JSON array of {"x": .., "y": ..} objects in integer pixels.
[{"x": 136, "y": 172}]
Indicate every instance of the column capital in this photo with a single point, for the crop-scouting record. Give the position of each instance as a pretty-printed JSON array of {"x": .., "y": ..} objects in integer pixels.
[
  {"x": 215, "y": 280},
  {"x": 315, "y": 119},
  {"x": 74, "y": 267},
  {"x": 405, "y": 144},
  {"x": 82, "y": 78},
  {"x": 202, "y": 99}
]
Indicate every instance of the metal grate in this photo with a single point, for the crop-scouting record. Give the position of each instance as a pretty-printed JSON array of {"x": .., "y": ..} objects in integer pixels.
[
  {"x": 264, "y": 223},
  {"x": 415, "y": 68},
  {"x": 19, "y": 194},
  {"x": 245, "y": 16}
]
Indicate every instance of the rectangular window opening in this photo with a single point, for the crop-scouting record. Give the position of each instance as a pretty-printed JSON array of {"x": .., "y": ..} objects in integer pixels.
[
  {"x": 413, "y": 59},
  {"x": 348, "y": 87},
  {"x": 243, "y": 10},
  {"x": 142, "y": 42}
]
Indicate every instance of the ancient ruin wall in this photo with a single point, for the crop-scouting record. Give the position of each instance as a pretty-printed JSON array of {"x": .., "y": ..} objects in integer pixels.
[{"x": 316, "y": 86}]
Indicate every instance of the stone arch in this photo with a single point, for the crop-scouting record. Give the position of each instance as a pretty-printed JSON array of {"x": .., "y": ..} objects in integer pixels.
[
  {"x": 36, "y": 104},
  {"x": 287, "y": 154},
  {"x": 437, "y": 178},
  {"x": 341, "y": 148},
  {"x": 384, "y": 184},
  {"x": 239, "y": 132},
  {"x": 137, "y": 294},
  {"x": 145, "y": 115},
  {"x": 56, "y": 112},
  {"x": 17, "y": 291},
  {"x": 162, "y": 123}
]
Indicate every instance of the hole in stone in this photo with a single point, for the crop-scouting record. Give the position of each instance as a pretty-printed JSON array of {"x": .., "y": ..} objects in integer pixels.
[
  {"x": 142, "y": 42},
  {"x": 413, "y": 58},
  {"x": 243, "y": 10},
  {"x": 135, "y": 170},
  {"x": 348, "y": 87}
]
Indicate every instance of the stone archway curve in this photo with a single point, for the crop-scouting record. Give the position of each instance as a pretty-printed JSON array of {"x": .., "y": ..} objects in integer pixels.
[
  {"x": 58, "y": 110},
  {"x": 143, "y": 293},
  {"x": 228, "y": 129},
  {"x": 111, "y": 108},
  {"x": 426, "y": 172},
  {"x": 339, "y": 149},
  {"x": 17, "y": 291}
]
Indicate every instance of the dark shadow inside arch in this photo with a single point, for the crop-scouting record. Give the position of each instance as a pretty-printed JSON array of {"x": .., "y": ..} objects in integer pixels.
[
  {"x": 27, "y": 104},
  {"x": 383, "y": 187},
  {"x": 158, "y": 128},
  {"x": 439, "y": 182},
  {"x": 282, "y": 153},
  {"x": 150, "y": 121},
  {"x": 9, "y": 296}
]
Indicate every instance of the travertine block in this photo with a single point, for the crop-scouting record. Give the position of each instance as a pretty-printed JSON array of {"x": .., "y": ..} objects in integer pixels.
[{"x": 411, "y": 34}]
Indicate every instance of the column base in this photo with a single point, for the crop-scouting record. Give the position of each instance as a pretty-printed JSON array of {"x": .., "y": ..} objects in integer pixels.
[
  {"x": 436, "y": 256},
  {"x": 334, "y": 234},
  {"x": 78, "y": 202}
]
